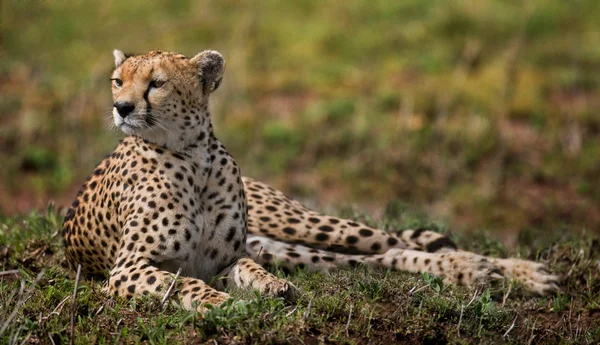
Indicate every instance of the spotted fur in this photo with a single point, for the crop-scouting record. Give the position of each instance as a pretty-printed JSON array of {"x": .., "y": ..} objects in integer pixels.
[{"x": 170, "y": 197}]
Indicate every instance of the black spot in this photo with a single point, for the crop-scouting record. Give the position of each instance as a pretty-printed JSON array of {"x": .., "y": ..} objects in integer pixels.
[
  {"x": 376, "y": 247},
  {"x": 326, "y": 228},
  {"x": 442, "y": 242},
  {"x": 365, "y": 232},
  {"x": 322, "y": 237},
  {"x": 351, "y": 239},
  {"x": 220, "y": 217},
  {"x": 230, "y": 234},
  {"x": 417, "y": 233},
  {"x": 289, "y": 231},
  {"x": 392, "y": 241},
  {"x": 293, "y": 220},
  {"x": 131, "y": 288},
  {"x": 151, "y": 280},
  {"x": 314, "y": 220}
]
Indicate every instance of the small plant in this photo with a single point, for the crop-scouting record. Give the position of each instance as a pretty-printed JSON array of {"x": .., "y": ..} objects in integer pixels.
[
  {"x": 435, "y": 283},
  {"x": 560, "y": 302},
  {"x": 484, "y": 304}
]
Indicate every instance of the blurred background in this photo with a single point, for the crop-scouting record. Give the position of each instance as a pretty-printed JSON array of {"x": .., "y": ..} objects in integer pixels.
[{"x": 483, "y": 114}]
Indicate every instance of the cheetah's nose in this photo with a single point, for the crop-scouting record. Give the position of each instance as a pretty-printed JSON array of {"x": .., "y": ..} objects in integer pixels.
[{"x": 124, "y": 108}]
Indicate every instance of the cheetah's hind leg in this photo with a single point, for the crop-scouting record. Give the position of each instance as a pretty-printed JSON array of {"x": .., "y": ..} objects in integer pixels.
[{"x": 453, "y": 267}]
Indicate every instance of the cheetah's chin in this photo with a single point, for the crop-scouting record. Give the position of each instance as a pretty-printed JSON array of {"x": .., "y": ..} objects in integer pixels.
[{"x": 128, "y": 129}]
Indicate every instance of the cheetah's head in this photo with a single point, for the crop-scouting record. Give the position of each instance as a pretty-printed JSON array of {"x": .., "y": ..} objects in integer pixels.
[{"x": 163, "y": 97}]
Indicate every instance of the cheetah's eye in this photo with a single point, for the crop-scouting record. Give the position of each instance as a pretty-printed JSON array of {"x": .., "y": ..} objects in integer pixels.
[
  {"x": 157, "y": 83},
  {"x": 118, "y": 82}
]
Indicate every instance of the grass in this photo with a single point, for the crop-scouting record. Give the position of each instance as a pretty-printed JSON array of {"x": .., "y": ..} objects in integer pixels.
[
  {"x": 484, "y": 115},
  {"x": 354, "y": 306}
]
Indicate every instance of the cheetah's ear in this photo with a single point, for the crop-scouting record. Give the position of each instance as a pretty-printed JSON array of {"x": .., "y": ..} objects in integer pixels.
[
  {"x": 120, "y": 57},
  {"x": 211, "y": 66}
]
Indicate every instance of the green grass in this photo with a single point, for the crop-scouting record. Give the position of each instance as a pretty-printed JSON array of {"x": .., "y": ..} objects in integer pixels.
[
  {"x": 483, "y": 114},
  {"x": 354, "y": 306}
]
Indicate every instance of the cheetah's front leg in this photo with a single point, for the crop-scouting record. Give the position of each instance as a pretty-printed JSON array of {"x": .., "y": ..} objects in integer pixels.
[
  {"x": 136, "y": 271},
  {"x": 142, "y": 279},
  {"x": 247, "y": 274}
]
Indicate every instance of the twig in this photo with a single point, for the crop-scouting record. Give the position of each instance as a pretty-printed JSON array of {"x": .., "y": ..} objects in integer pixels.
[
  {"x": 74, "y": 305},
  {"x": 371, "y": 318},
  {"x": 26, "y": 339},
  {"x": 576, "y": 261},
  {"x": 258, "y": 254},
  {"x": 59, "y": 306},
  {"x": 474, "y": 296},
  {"x": 291, "y": 311},
  {"x": 21, "y": 301},
  {"x": 14, "y": 312},
  {"x": 511, "y": 327},
  {"x": 14, "y": 340},
  {"x": 349, "y": 318},
  {"x": 532, "y": 332},
  {"x": 414, "y": 290},
  {"x": 505, "y": 297},
  {"x": 164, "y": 300},
  {"x": 570, "y": 317},
  {"x": 307, "y": 311},
  {"x": 5, "y": 273},
  {"x": 462, "y": 310},
  {"x": 51, "y": 340}
]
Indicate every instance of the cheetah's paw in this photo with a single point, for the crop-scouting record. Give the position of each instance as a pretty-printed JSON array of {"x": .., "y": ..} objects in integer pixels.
[
  {"x": 533, "y": 275},
  {"x": 280, "y": 288}
]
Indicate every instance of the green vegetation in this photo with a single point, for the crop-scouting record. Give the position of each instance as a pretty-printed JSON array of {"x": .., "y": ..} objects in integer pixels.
[
  {"x": 484, "y": 114},
  {"x": 355, "y": 306}
]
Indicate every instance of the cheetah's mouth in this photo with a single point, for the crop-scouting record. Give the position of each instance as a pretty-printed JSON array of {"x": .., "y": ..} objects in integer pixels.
[{"x": 129, "y": 125}]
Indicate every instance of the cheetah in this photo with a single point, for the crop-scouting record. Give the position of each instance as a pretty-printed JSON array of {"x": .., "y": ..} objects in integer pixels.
[{"x": 171, "y": 200}]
